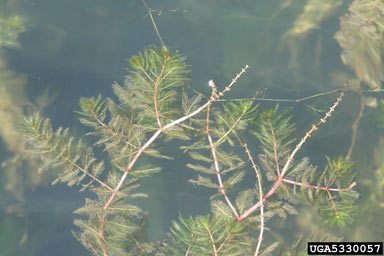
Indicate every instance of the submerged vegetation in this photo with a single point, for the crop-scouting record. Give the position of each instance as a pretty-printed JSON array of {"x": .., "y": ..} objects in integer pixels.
[
  {"x": 14, "y": 103},
  {"x": 147, "y": 115},
  {"x": 248, "y": 155},
  {"x": 361, "y": 36},
  {"x": 11, "y": 26}
]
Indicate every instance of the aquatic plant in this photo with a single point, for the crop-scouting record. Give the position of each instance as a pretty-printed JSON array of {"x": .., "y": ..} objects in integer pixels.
[
  {"x": 313, "y": 14},
  {"x": 11, "y": 25},
  {"x": 146, "y": 115},
  {"x": 315, "y": 11},
  {"x": 14, "y": 103},
  {"x": 361, "y": 37},
  {"x": 221, "y": 138}
]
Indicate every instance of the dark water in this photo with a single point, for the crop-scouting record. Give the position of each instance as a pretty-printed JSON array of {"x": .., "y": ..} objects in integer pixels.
[{"x": 78, "y": 49}]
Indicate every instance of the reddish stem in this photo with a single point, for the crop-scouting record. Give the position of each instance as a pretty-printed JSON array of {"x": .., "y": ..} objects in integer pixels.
[
  {"x": 148, "y": 143},
  {"x": 290, "y": 159}
]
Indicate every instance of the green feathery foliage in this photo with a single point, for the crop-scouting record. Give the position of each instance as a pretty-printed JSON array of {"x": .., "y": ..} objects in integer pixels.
[
  {"x": 274, "y": 132},
  {"x": 59, "y": 150},
  {"x": 227, "y": 127},
  {"x": 121, "y": 129},
  {"x": 152, "y": 82},
  {"x": 336, "y": 208},
  {"x": 361, "y": 36},
  {"x": 124, "y": 220},
  {"x": 299, "y": 247},
  {"x": 329, "y": 191},
  {"x": 11, "y": 26},
  {"x": 138, "y": 123},
  {"x": 209, "y": 235}
]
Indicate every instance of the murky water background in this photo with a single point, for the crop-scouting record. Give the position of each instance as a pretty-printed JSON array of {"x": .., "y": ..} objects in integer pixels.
[{"x": 78, "y": 49}]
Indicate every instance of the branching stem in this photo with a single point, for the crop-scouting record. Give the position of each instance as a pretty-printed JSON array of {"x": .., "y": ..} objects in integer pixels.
[
  {"x": 290, "y": 159},
  {"x": 71, "y": 162},
  {"x": 215, "y": 96}
]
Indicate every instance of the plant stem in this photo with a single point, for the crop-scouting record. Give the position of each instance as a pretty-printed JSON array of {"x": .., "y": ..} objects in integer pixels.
[
  {"x": 258, "y": 176},
  {"x": 153, "y": 22},
  {"x": 290, "y": 159},
  {"x": 355, "y": 126},
  {"x": 215, "y": 96}
]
